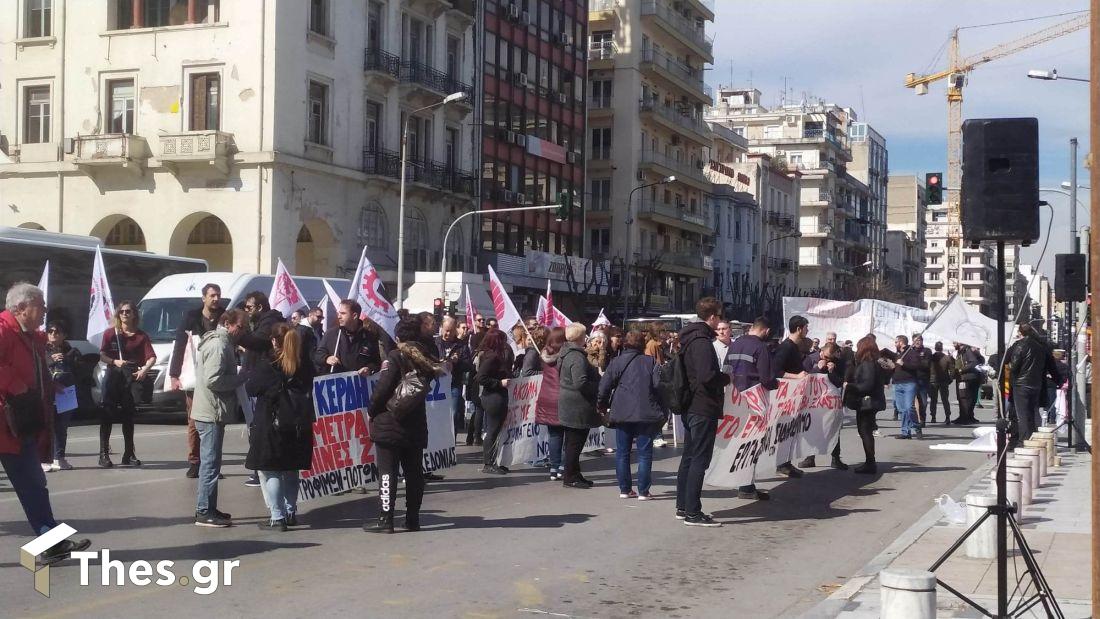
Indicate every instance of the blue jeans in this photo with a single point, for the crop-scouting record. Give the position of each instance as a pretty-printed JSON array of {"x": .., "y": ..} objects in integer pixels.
[
  {"x": 627, "y": 434},
  {"x": 458, "y": 407},
  {"x": 29, "y": 482},
  {"x": 210, "y": 464},
  {"x": 280, "y": 489},
  {"x": 904, "y": 395},
  {"x": 61, "y": 433},
  {"x": 557, "y": 440}
]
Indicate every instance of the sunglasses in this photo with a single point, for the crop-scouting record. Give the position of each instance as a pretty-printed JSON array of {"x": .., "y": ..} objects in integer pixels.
[
  {"x": 124, "y": 312},
  {"x": 54, "y": 331},
  {"x": 249, "y": 307}
]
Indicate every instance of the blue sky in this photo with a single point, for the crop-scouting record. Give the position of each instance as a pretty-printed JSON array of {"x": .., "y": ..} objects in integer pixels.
[{"x": 856, "y": 53}]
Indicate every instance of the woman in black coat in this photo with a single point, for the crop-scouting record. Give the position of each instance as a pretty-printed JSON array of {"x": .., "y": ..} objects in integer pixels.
[
  {"x": 494, "y": 371},
  {"x": 280, "y": 438},
  {"x": 866, "y": 394},
  {"x": 400, "y": 430}
]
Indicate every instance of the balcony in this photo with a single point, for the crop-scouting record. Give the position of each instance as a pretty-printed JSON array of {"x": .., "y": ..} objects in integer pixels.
[
  {"x": 973, "y": 283},
  {"x": 782, "y": 265},
  {"x": 689, "y": 126},
  {"x": 684, "y": 262},
  {"x": 821, "y": 135},
  {"x": 120, "y": 150},
  {"x": 382, "y": 162},
  {"x": 421, "y": 76},
  {"x": 667, "y": 166},
  {"x": 686, "y": 78},
  {"x": 463, "y": 12},
  {"x": 599, "y": 51},
  {"x": 680, "y": 28},
  {"x": 668, "y": 214},
  {"x": 382, "y": 64},
  {"x": 199, "y": 149},
  {"x": 603, "y": 9}
]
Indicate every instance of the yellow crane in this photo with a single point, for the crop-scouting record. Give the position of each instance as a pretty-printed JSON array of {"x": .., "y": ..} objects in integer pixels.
[{"x": 956, "y": 76}]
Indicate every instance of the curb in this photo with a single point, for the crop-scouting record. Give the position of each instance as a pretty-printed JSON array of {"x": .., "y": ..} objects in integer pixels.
[{"x": 835, "y": 603}]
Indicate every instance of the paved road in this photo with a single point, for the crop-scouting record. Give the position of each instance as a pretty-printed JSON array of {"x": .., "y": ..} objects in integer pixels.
[{"x": 491, "y": 547}]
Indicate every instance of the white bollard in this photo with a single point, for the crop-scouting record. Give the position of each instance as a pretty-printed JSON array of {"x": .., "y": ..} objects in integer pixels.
[
  {"x": 1052, "y": 446},
  {"x": 907, "y": 594},
  {"x": 1041, "y": 448},
  {"x": 1023, "y": 469},
  {"x": 1012, "y": 489},
  {"x": 982, "y": 543},
  {"x": 1027, "y": 453}
]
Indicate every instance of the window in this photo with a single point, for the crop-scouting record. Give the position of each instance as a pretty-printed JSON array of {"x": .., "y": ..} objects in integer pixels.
[
  {"x": 36, "y": 115},
  {"x": 420, "y": 137},
  {"x": 205, "y": 113},
  {"x": 318, "y": 17},
  {"x": 374, "y": 26},
  {"x": 159, "y": 12},
  {"x": 601, "y": 194},
  {"x": 372, "y": 226},
  {"x": 120, "y": 106},
  {"x": 454, "y": 57},
  {"x": 451, "y": 154},
  {"x": 601, "y": 143},
  {"x": 318, "y": 113},
  {"x": 600, "y": 241},
  {"x": 372, "y": 121},
  {"x": 39, "y": 18}
]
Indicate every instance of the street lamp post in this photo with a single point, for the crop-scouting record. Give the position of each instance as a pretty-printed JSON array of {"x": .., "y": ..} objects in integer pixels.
[
  {"x": 1039, "y": 74},
  {"x": 767, "y": 252},
  {"x": 458, "y": 96},
  {"x": 624, "y": 285}
]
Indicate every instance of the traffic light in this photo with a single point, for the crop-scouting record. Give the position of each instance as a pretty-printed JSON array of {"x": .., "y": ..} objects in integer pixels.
[
  {"x": 437, "y": 307},
  {"x": 933, "y": 187},
  {"x": 565, "y": 206},
  {"x": 452, "y": 309}
]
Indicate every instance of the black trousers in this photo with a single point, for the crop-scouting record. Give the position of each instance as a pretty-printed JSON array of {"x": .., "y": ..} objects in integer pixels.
[
  {"x": 699, "y": 434},
  {"x": 495, "y": 406},
  {"x": 865, "y": 425},
  {"x": 967, "y": 393},
  {"x": 940, "y": 393},
  {"x": 572, "y": 445},
  {"x": 119, "y": 405},
  {"x": 1026, "y": 402},
  {"x": 410, "y": 460}
]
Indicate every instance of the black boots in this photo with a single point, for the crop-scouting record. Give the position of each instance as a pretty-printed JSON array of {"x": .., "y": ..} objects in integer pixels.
[
  {"x": 867, "y": 468},
  {"x": 384, "y": 524},
  {"x": 412, "y": 522}
]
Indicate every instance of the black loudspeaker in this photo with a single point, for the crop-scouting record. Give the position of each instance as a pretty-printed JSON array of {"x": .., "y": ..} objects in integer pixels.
[
  {"x": 1070, "y": 277},
  {"x": 1000, "y": 180}
]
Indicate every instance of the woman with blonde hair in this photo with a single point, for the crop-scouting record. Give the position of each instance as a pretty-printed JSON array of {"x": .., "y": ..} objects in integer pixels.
[
  {"x": 128, "y": 354},
  {"x": 281, "y": 434},
  {"x": 578, "y": 382}
]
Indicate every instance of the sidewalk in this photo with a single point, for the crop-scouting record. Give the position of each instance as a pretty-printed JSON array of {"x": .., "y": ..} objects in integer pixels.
[{"x": 1056, "y": 525}]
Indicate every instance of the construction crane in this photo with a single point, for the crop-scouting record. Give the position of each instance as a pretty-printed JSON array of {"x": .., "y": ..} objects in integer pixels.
[{"x": 956, "y": 76}]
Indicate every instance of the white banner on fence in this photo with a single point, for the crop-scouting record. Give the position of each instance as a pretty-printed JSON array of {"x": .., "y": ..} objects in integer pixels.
[
  {"x": 343, "y": 452},
  {"x": 522, "y": 441}
]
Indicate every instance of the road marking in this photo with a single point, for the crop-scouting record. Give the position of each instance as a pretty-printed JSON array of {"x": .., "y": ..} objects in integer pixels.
[
  {"x": 85, "y": 439},
  {"x": 107, "y": 487}
]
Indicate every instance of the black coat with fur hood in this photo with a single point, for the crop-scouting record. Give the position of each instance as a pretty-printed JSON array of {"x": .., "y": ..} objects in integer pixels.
[{"x": 411, "y": 428}]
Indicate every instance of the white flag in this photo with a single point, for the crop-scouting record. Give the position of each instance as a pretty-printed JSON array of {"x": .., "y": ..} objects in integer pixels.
[
  {"x": 44, "y": 286},
  {"x": 328, "y": 305},
  {"x": 367, "y": 290},
  {"x": 100, "y": 305},
  {"x": 601, "y": 320},
  {"x": 285, "y": 296},
  {"x": 548, "y": 308},
  {"x": 505, "y": 310},
  {"x": 470, "y": 311},
  {"x": 542, "y": 316}
]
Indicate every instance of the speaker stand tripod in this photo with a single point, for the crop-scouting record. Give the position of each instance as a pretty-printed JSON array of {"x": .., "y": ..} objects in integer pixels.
[{"x": 1002, "y": 510}]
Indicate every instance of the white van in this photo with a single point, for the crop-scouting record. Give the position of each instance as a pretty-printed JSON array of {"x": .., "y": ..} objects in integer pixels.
[{"x": 164, "y": 306}]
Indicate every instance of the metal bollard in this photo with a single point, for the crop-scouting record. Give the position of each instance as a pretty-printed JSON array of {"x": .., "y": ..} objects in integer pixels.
[
  {"x": 907, "y": 594},
  {"x": 982, "y": 543}
]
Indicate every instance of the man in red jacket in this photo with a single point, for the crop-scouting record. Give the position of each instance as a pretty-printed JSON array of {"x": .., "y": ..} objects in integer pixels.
[{"x": 27, "y": 398}]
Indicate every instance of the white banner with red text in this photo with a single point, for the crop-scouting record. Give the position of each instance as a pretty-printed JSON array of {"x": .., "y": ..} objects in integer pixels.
[
  {"x": 343, "y": 452},
  {"x": 522, "y": 441}
]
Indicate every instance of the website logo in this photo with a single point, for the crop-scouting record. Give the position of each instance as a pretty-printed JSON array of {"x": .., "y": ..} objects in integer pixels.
[{"x": 29, "y": 553}]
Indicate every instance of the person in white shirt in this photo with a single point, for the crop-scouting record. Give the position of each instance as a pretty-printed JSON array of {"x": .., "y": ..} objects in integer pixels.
[{"x": 722, "y": 344}]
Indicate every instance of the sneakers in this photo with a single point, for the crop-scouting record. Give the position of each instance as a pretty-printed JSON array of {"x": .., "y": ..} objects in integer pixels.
[
  {"x": 754, "y": 495},
  {"x": 292, "y": 520},
  {"x": 253, "y": 481},
  {"x": 920, "y": 434},
  {"x": 808, "y": 462},
  {"x": 628, "y": 495},
  {"x": 701, "y": 520},
  {"x": 838, "y": 464},
  {"x": 105, "y": 461},
  {"x": 867, "y": 468},
  {"x": 681, "y": 514},
  {"x": 645, "y": 496},
  {"x": 493, "y": 469},
  {"x": 580, "y": 484},
  {"x": 273, "y": 525},
  {"x": 412, "y": 522},
  {"x": 903, "y": 437},
  {"x": 62, "y": 464},
  {"x": 384, "y": 524},
  {"x": 61, "y": 550},
  {"x": 876, "y": 434},
  {"x": 432, "y": 477},
  {"x": 193, "y": 471},
  {"x": 789, "y": 470},
  {"x": 659, "y": 442},
  {"x": 47, "y": 468},
  {"x": 555, "y": 475},
  {"x": 130, "y": 460},
  {"x": 210, "y": 518}
]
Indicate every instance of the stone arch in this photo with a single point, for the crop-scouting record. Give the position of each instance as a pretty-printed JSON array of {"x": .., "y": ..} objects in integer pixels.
[
  {"x": 314, "y": 250},
  {"x": 120, "y": 232},
  {"x": 30, "y": 225},
  {"x": 204, "y": 236}
]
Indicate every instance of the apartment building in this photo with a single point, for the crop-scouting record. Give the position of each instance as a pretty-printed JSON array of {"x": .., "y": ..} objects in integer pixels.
[
  {"x": 871, "y": 165},
  {"x": 834, "y": 207},
  {"x": 241, "y": 132},
  {"x": 943, "y": 276},
  {"x": 902, "y": 269},
  {"x": 736, "y": 222},
  {"x": 907, "y": 213},
  {"x": 645, "y": 128}
]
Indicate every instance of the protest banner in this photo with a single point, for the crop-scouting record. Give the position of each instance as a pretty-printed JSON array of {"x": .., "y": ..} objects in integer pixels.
[
  {"x": 522, "y": 441},
  {"x": 761, "y": 429},
  {"x": 343, "y": 452}
]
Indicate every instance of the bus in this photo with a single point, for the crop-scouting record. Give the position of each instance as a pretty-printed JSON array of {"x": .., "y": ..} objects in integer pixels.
[{"x": 673, "y": 323}]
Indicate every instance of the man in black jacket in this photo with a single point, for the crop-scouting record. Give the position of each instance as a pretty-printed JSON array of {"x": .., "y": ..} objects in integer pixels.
[
  {"x": 828, "y": 361},
  {"x": 351, "y": 347},
  {"x": 969, "y": 381},
  {"x": 706, "y": 383},
  {"x": 787, "y": 361},
  {"x": 750, "y": 364},
  {"x": 256, "y": 343},
  {"x": 1029, "y": 360},
  {"x": 195, "y": 323}
]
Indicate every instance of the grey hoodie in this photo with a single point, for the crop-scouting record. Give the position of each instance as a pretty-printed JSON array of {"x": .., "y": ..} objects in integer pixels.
[{"x": 216, "y": 378}]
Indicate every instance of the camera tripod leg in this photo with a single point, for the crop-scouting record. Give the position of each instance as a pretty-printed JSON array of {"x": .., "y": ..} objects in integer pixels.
[
  {"x": 1044, "y": 593},
  {"x": 959, "y": 542}
]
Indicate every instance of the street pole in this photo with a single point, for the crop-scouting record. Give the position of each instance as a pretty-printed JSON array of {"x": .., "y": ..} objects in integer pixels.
[
  {"x": 1094, "y": 279},
  {"x": 1002, "y": 443},
  {"x": 624, "y": 285},
  {"x": 1074, "y": 247}
]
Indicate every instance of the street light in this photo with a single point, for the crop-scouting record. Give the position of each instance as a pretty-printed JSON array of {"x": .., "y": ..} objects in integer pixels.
[
  {"x": 767, "y": 250},
  {"x": 1068, "y": 185},
  {"x": 457, "y": 96},
  {"x": 629, "y": 221},
  {"x": 1039, "y": 74}
]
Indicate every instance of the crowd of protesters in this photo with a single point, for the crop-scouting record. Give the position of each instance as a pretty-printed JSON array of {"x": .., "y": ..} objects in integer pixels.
[{"x": 253, "y": 359}]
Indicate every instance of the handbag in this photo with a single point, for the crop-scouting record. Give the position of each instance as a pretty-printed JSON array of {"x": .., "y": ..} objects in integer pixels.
[
  {"x": 188, "y": 368},
  {"x": 412, "y": 390}
]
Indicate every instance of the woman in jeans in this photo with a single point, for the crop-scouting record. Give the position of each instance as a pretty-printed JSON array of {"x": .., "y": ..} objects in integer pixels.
[
  {"x": 494, "y": 371},
  {"x": 866, "y": 394},
  {"x": 62, "y": 360},
  {"x": 546, "y": 406},
  {"x": 280, "y": 439},
  {"x": 629, "y": 389},
  {"x": 578, "y": 382},
  {"x": 128, "y": 354}
]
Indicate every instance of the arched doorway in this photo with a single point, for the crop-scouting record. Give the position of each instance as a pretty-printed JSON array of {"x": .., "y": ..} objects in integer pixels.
[
  {"x": 313, "y": 254},
  {"x": 204, "y": 236},
  {"x": 120, "y": 232},
  {"x": 30, "y": 225}
]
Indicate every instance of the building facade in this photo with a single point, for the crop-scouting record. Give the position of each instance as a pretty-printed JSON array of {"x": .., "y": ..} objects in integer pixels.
[
  {"x": 242, "y": 132},
  {"x": 907, "y": 213},
  {"x": 871, "y": 165},
  {"x": 974, "y": 277},
  {"x": 645, "y": 126}
]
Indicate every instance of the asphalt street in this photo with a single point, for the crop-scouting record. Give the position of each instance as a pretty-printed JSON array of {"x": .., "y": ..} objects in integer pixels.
[{"x": 511, "y": 546}]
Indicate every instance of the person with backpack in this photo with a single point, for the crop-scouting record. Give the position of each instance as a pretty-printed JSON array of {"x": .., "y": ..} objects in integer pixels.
[
  {"x": 700, "y": 393},
  {"x": 494, "y": 372},
  {"x": 629, "y": 389},
  {"x": 399, "y": 423},
  {"x": 866, "y": 394},
  {"x": 578, "y": 383},
  {"x": 546, "y": 406},
  {"x": 750, "y": 365},
  {"x": 280, "y": 439},
  {"x": 195, "y": 323}
]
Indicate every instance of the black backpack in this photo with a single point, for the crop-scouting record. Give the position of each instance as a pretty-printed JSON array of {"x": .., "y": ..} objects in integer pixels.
[{"x": 673, "y": 387}]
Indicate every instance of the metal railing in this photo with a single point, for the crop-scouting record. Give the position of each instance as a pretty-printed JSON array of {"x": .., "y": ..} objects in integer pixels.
[
  {"x": 679, "y": 168},
  {"x": 602, "y": 50},
  {"x": 599, "y": 103},
  {"x": 679, "y": 23},
  {"x": 692, "y": 77},
  {"x": 435, "y": 174},
  {"x": 598, "y": 6},
  {"x": 679, "y": 213},
  {"x": 381, "y": 61},
  {"x": 688, "y": 122},
  {"x": 433, "y": 79}
]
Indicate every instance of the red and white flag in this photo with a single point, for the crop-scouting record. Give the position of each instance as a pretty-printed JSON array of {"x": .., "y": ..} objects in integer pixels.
[
  {"x": 328, "y": 305},
  {"x": 505, "y": 310},
  {"x": 368, "y": 291},
  {"x": 546, "y": 318},
  {"x": 44, "y": 286},
  {"x": 541, "y": 315},
  {"x": 100, "y": 304},
  {"x": 470, "y": 311},
  {"x": 601, "y": 320},
  {"x": 550, "y": 316},
  {"x": 285, "y": 296}
]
